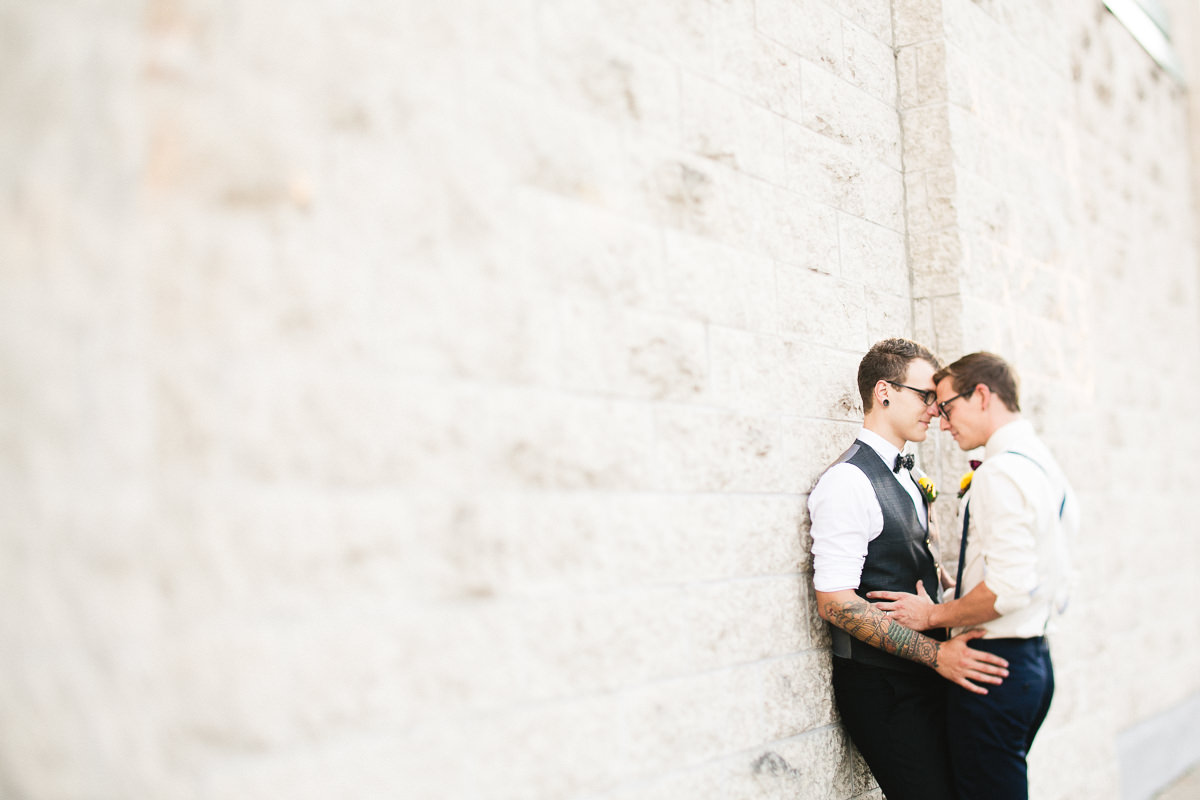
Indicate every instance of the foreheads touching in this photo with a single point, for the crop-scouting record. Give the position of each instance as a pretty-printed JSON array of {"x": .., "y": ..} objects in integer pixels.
[
  {"x": 889, "y": 360},
  {"x": 980, "y": 368}
]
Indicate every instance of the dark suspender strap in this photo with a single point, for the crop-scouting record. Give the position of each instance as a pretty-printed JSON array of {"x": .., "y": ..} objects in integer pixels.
[
  {"x": 962, "y": 551},
  {"x": 962, "y": 548}
]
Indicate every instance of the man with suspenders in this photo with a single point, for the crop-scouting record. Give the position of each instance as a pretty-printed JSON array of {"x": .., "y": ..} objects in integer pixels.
[
  {"x": 870, "y": 531},
  {"x": 1014, "y": 571}
]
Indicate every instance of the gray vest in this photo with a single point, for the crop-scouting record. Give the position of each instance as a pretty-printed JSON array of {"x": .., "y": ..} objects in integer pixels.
[{"x": 896, "y": 559}]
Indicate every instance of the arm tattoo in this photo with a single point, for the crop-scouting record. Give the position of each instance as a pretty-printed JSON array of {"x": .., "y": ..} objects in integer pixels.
[{"x": 864, "y": 622}]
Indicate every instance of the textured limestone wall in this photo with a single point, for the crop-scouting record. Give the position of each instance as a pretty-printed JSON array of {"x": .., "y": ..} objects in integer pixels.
[{"x": 419, "y": 400}]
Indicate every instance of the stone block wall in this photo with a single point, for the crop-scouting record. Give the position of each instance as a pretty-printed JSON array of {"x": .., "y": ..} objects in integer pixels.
[{"x": 420, "y": 400}]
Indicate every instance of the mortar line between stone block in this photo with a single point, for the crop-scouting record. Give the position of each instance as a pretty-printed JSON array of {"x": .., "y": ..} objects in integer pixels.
[
  {"x": 467, "y": 715},
  {"x": 736, "y": 756}
]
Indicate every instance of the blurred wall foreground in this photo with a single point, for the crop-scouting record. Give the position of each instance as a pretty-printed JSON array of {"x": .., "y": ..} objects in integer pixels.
[{"x": 419, "y": 400}]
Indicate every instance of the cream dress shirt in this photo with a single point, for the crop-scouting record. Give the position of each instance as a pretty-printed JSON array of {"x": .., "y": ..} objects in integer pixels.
[
  {"x": 846, "y": 516},
  {"x": 1017, "y": 542}
]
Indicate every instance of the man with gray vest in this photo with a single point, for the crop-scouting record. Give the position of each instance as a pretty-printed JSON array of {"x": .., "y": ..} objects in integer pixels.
[
  {"x": 1014, "y": 571},
  {"x": 870, "y": 533}
]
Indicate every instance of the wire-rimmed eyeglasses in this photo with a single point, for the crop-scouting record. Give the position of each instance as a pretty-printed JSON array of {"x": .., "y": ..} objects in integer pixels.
[
  {"x": 944, "y": 405},
  {"x": 928, "y": 396}
]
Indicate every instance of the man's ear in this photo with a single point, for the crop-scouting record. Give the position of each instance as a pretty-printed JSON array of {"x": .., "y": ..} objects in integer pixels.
[
  {"x": 985, "y": 395},
  {"x": 881, "y": 389}
]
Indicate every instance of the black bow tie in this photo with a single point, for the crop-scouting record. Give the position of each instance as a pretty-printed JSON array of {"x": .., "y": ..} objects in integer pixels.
[{"x": 908, "y": 462}]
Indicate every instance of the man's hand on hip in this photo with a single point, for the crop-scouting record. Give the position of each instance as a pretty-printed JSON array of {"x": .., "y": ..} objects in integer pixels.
[{"x": 958, "y": 663}]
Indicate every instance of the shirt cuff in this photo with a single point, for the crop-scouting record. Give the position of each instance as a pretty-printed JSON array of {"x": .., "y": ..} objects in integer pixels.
[
  {"x": 1012, "y": 601},
  {"x": 828, "y": 578}
]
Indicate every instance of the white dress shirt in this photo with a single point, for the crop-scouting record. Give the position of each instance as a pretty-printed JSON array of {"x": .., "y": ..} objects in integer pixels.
[
  {"x": 1017, "y": 542},
  {"x": 846, "y": 516}
]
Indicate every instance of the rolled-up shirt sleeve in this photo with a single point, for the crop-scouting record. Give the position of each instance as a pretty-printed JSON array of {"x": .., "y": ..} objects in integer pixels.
[
  {"x": 845, "y": 517},
  {"x": 1006, "y": 523}
]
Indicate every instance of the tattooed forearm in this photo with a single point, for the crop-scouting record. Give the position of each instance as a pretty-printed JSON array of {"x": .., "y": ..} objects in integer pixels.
[{"x": 864, "y": 622}]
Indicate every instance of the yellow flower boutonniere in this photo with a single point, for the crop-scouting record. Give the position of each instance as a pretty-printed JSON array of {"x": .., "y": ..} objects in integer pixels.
[
  {"x": 965, "y": 483},
  {"x": 928, "y": 490}
]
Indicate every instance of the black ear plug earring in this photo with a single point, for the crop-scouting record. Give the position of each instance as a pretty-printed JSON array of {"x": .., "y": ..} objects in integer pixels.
[{"x": 887, "y": 402}]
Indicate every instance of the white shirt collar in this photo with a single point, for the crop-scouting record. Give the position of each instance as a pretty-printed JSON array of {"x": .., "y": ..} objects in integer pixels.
[
  {"x": 885, "y": 449},
  {"x": 1007, "y": 436}
]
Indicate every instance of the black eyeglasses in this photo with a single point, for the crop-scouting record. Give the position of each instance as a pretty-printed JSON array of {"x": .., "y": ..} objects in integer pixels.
[
  {"x": 942, "y": 406},
  {"x": 928, "y": 396}
]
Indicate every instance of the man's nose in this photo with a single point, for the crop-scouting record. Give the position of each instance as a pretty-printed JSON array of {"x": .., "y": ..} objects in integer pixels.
[{"x": 945, "y": 423}]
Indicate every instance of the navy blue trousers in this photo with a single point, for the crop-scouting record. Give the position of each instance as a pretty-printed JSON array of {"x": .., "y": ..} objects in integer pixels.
[{"x": 990, "y": 735}]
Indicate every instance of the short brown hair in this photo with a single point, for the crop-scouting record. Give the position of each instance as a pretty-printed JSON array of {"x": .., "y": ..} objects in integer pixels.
[
  {"x": 989, "y": 369},
  {"x": 888, "y": 360}
]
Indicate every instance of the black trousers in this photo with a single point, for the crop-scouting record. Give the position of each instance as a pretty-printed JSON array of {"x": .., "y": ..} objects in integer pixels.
[
  {"x": 897, "y": 720},
  {"x": 990, "y": 734}
]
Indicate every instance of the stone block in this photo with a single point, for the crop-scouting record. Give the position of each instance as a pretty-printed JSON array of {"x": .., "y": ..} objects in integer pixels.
[
  {"x": 812, "y": 29},
  {"x": 557, "y": 752},
  {"x": 926, "y": 75},
  {"x": 614, "y": 351},
  {"x": 705, "y": 782},
  {"x": 757, "y": 619},
  {"x": 580, "y": 643},
  {"x": 883, "y": 190},
  {"x": 569, "y": 154},
  {"x": 874, "y": 17},
  {"x": 709, "y": 450},
  {"x": 748, "y": 371},
  {"x": 494, "y": 437},
  {"x": 690, "y": 194},
  {"x": 694, "y": 720},
  {"x": 818, "y": 629},
  {"x": 826, "y": 368},
  {"x": 823, "y": 309},
  {"x": 679, "y": 30},
  {"x": 798, "y": 694},
  {"x": 845, "y": 114},
  {"x": 870, "y": 63},
  {"x": 931, "y": 199},
  {"x": 824, "y": 170},
  {"x": 539, "y": 441},
  {"x": 796, "y": 231},
  {"x": 936, "y": 257},
  {"x": 761, "y": 69},
  {"x": 916, "y": 21},
  {"x": 434, "y": 333},
  {"x": 815, "y": 762},
  {"x": 728, "y": 16},
  {"x": 927, "y": 138},
  {"x": 524, "y": 542},
  {"x": 721, "y": 125},
  {"x": 887, "y": 314},
  {"x": 590, "y": 253},
  {"x": 811, "y": 445},
  {"x": 716, "y": 283},
  {"x": 872, "y": 255},
  {"x": 586, "y": 65},
  {"x": 779, "y": 375},
  {"x": 906, "y": 77}
]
